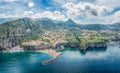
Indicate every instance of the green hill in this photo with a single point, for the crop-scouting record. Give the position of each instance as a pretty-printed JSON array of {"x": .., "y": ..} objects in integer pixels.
[{"x": 24, "y": 29}]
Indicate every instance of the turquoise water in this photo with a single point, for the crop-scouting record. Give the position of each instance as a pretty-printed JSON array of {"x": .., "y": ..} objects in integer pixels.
[{"x": 71, "y": 61}]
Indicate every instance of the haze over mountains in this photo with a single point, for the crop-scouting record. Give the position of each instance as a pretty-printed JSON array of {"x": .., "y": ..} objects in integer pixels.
[{"x": 46, "y": 23}]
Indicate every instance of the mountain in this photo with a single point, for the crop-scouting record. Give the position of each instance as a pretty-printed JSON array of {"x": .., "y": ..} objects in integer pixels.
[
  {"x": 23, "y": 29},
  {"x": 69, "y": 24},
  {"x": 46, "y": 23},
  {"x": 96, "y": 27},
  {"x": 2, "y": 20},
  {"x": 115, "y": 27},
  {"x": 22, "y": 23},
  {"x": 16, "y": 31},
  {"x": 38, "y": 25}
]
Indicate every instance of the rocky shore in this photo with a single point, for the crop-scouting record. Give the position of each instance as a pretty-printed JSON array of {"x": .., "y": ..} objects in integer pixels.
[
  {"x": 80, "y": 47},
  {"x": 52, "y": 51},
  {"x": 59, "y": 46}
]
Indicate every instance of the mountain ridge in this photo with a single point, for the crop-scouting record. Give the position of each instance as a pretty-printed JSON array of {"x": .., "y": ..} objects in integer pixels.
[
  {"x": 24, "y": 29},
  {"x": 47, "y": 23}
]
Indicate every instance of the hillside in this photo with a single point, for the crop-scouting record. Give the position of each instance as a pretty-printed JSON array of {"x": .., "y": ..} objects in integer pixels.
[
  {"x": 14, "y": 32},
  {"x": 22, "y": 30}
]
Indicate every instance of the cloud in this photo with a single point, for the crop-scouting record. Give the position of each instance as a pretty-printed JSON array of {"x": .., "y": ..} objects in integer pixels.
[
  {"x": 27, "y": 13},
  {"x": 56, "y": 15},
  {"x": 10, "y": 0},
  {"x": 85, "y": 12},
  {"x": 85, "y": 9},
  {"x": 64, "y": 1},
  {"x": 117, "y": 17},
  {"x": 8, "y": 16},
  {"x": 109, "y": 3},
  {"x": 73, "y": 1},
  {"x": 13, "y": 7},
  {"x": 24, "y": 14},
  {"x": 117, "y": 14},
  {"x": 13, "y": 1},
  {"x": 81, "y": 11},
  {"x": 30, "y": 4}
]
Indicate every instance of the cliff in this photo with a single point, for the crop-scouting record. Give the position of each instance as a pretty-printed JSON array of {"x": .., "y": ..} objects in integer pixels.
[
  {"x": 66, "y": 34},
  {"x": 60, "y": 46},
  {"x": 80, "y": 47}
]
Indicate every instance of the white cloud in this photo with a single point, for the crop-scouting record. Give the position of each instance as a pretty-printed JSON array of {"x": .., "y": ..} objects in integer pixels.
[
  {"x": 85, "y": 9},
  {"x": 88, "y": 12},
  {"x": 73, "y": 1},
  {"x": 10, "y": 0},
  {"x": 27, "y": 14},
  {"x": 30, "y": 4},
  {"x": 82, "y": 12},
  {"x": 8, "y": 16},
  {"x": 110, "y": 3},
  {"x": 65, "y": 1},
  {"x": 56, "y": 15},
  {"x": 116, "y": 17},
  {"x": 117, "y": 14}
]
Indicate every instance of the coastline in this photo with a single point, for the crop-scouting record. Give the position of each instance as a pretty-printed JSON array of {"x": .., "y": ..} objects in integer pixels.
[{"x": 52, "y": 53}]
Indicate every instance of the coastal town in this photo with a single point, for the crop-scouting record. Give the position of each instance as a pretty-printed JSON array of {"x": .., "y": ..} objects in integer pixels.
[{"x": 40, "y": 36}]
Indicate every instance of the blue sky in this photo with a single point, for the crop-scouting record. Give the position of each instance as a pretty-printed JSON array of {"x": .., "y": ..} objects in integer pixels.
[{"x": 81, "y": 11}]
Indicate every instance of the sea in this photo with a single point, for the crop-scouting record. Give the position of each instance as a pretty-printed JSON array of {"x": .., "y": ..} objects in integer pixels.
[{"x": 72, "y": 60}]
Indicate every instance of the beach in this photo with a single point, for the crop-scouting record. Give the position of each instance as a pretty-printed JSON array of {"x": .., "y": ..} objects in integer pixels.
[{"x": 52, "y": 53}]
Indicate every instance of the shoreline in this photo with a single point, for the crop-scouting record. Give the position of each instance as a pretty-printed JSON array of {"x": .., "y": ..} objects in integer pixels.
[{"x": 52, "y": 53}]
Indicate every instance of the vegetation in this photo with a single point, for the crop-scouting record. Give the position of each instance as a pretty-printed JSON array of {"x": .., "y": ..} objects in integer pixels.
[
  {"x": 75, "y": 37},
  {"x": 47, "y": 31}
]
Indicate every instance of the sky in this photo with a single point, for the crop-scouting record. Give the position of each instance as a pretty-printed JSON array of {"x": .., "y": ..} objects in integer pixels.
[{"x": 81, "y": 11}]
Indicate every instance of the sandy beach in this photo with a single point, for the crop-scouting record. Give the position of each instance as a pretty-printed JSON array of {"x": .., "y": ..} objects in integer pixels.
[{"x": 51, "y": 52}]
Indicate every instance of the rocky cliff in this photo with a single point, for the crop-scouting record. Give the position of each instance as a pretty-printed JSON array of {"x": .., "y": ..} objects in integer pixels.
[
  {"x": 60, "y": 46},
  {"x": 80, "y": 47}
]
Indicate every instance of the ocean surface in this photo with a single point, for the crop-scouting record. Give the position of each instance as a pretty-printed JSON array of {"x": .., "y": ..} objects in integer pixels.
[{"x": 71, "y": 61}]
